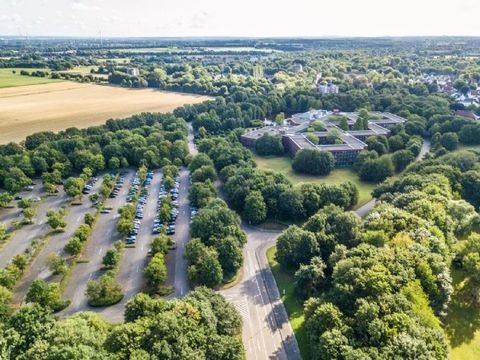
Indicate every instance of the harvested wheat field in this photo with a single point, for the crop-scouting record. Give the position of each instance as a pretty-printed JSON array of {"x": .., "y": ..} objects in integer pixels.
[{"x": 57, "y": 106}]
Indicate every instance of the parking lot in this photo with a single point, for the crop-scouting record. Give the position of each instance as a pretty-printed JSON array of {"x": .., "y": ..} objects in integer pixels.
[
  {"x": 134, "y": 259},
  {"x": 74, "y": 218},
  {"x": 103, "y": 237},
  {"x": 14, "y": 213},
  {"x": 176, "y": 263},
  {"x": 169, "y": 196},
  {"x": 23, "y": 237},
  {"x": 141, "y": 203}
]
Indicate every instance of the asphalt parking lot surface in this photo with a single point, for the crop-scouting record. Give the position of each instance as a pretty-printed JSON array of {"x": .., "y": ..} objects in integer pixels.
[
  {"x": 103, "y": 237},
  {"x": 177, "y": 264},
  {"x": 134, "y": 260},
  {"x": 23, "y": 237},
  {"x": 38, "y": 269}
]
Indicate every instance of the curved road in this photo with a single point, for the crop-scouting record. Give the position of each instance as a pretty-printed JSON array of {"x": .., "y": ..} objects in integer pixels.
[
  {"x": 365, "y": 209},
  {"x": 267, "y": 333}
]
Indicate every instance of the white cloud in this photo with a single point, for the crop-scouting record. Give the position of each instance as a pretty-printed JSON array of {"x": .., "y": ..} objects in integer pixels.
[
  {"x": 245, "y": 18},
  {"x": 199, "y": 20}
]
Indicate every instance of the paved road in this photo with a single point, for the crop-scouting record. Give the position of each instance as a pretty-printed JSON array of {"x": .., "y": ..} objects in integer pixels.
[
  {"x": 23, "y": 237},
  {"x": 267, "y": 333},
  {"x": 192, "y": 148},
  {"x": 38, "y": 269},
  {"x": 177, "y": 264},
  {"x": 104, "y": 235},
  {"x": 134, "y": 260}
]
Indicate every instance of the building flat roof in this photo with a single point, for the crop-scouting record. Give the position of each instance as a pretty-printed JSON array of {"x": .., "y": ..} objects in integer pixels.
[{"x": 349, "y": 139}]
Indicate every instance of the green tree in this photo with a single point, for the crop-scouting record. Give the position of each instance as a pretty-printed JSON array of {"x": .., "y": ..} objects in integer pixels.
[
  {"x": 3, "y": 232},
  {"x": 29, "y": 214},
  {"x": 111, "y": 258},
  {"x": 449, "y": 141},
  {"x": 31, "y": 322},
  {"x": 343, "y": 123},
  {"x": 296, "y": 246},
  {"x": 201, "y": 193},
  {"x": 314, "y": 162},
  {"x": 230, "y": 256},
  {"x": 206, "y": 172},
  {"x": 46, "y": 295},
  {"x": 80, "y": 336},
  {"x": 5, "y": 307},
  {"x": 310, "y": 278},
  {"x": 401, "y": 159},
  {"x": 25, "y": 203},
  {"x": 56, "y": 263},
  {"x": 207, "y": 271},
  {"x": 471, "y": 187},
  {"x": 104, "y": 291},
  {"x": 160, "y": 244},
  {"x": 5, "y": 199},
  {"x": 280, "y": 118},
  {"x": 199, "y": 161},
  {"x": 269, "y": 145},
  {"x": 74, "y": 246},
  {"x": 255, "y": 210},
  {"x": 73, "y": 186},
  {"x": 378, "y": 169},
  {"x": 156, "y": 271},
  {"x": 55, "y": 220}
]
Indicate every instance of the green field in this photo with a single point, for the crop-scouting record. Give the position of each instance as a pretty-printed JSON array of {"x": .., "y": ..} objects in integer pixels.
[
  {"x": 462, "y": 324},
  {"x": 283, "y": 165},
  {"x": 467, "y": 147},
  {"x": 9, "y": 79}
]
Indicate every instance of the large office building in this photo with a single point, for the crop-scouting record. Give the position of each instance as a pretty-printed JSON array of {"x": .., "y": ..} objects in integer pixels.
[{"x": 349, "y": 143}]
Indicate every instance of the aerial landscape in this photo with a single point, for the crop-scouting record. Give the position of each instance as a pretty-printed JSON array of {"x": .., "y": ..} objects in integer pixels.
[{"x": 204, "y": 186}]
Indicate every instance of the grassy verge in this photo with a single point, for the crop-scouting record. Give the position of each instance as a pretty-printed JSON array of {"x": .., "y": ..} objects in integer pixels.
[
  {"x": 292, "y": 303},
  {"x": 462, "y": 324},
  {"x": 233, "y": 281},
  {"x": 283, "y": 165}
]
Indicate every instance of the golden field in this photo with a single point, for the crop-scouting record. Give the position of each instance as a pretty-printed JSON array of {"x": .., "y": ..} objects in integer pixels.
[{"x": 58, "y": 106}]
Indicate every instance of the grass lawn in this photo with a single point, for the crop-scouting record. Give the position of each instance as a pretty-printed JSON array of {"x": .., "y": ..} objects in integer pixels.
[
  {"x": 462, "y": 324},
  {"x": 9, "y": 79},
  {"x": 283, "y": 165},
  {"x": 467, "y": 147},
  {"x": 293, "y": 305}
]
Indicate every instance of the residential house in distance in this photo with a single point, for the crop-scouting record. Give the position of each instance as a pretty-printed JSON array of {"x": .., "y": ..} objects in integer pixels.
[
  {"x": 328, "y": 88},
  {"x": 348, "y": 145},
  {"x": 467, "y": 113},
  {"x": 133, "y": 71},
  {"x": 471, "y": 99},
  {"x": 296, "y": 68}
]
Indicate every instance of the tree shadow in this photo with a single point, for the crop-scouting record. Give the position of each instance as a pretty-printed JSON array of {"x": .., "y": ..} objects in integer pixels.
[
  {"x": 288, "y": 350},
  {"x": 463, "y": 318}
]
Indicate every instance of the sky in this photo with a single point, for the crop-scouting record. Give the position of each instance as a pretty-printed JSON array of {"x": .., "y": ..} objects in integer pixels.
[{"x": 245, "y": 18}]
